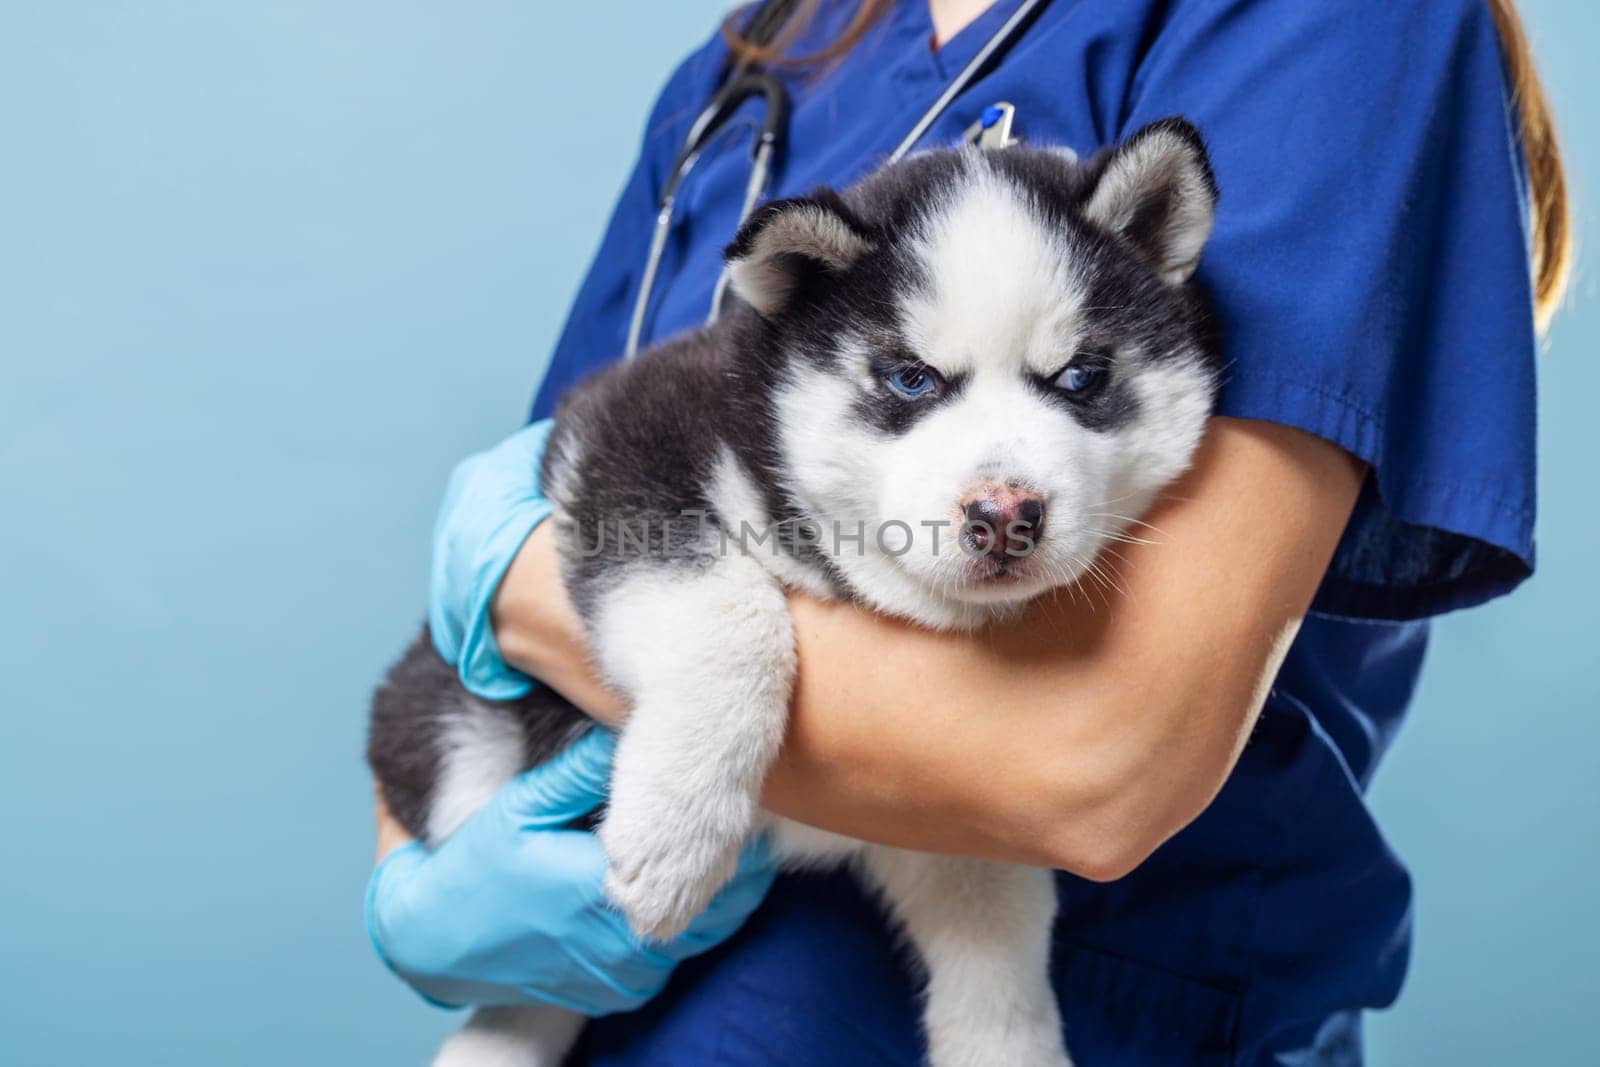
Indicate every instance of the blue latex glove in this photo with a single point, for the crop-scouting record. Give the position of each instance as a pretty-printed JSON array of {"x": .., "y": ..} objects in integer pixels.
[
  {"x": 491, "y": 505},
  {"x": 509, "y": 910}
]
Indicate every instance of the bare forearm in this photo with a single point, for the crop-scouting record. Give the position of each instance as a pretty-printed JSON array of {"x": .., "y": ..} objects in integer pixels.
[
  {"x": 1078, "y": 736},
  {"x": 1084, "y": 757},
  {"x": 927, "y": 741}
]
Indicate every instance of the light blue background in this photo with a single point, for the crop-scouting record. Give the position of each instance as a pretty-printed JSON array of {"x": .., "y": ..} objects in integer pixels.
[{"x": 266, "y": 271}]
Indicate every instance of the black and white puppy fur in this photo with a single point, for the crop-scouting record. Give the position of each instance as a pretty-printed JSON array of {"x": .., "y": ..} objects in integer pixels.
[{"x": 943, "y": 392}]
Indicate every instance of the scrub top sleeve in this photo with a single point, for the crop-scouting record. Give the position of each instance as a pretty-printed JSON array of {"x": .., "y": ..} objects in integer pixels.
[
  {"x": 1370, "y": 271},
  {"x": 596, "y": 329}
]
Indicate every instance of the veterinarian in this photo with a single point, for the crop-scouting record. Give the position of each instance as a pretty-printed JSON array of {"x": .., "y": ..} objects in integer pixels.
[{"x": 1191, "y": 752}]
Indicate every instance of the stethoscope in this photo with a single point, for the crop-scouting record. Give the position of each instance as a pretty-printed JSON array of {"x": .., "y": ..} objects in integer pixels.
[{"x": 992, "y": 129}]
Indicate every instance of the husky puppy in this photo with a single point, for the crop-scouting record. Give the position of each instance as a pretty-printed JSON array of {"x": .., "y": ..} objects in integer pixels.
[{"x": 943, "y": 392}]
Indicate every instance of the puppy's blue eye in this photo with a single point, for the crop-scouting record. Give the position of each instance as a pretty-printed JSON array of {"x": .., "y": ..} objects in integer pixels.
[
  {"x": 1080, "y": 379},
  {"x": 914, "y": 383}
]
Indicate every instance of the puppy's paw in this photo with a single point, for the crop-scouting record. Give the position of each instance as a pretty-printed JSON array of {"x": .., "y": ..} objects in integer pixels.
[{"x": 664, "y": 869}]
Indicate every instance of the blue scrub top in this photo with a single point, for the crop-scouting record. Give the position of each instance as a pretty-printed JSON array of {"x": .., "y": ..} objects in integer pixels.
[{"x": 1370, "y": 269}]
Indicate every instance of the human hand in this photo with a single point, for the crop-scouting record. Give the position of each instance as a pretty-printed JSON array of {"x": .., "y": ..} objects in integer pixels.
[{"x": 509, "y": 909}]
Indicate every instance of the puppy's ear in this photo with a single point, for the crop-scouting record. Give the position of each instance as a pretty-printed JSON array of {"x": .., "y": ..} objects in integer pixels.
[
  {"x": 1158, "y": 191},
  {"x": 787, "y": 244}
]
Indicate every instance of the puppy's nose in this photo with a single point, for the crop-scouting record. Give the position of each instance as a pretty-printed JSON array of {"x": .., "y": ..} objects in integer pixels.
[{"x": 1003, "y": 522}]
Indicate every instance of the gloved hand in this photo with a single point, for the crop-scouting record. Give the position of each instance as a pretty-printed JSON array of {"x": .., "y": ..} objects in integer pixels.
[
  {"x": 509, "y": 910},
  {"x": 492, "y": 503}
]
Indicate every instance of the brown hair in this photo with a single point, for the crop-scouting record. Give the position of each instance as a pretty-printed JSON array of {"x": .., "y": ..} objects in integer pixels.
[
  {"x": 775, "y": 53},
  {"x": 1549, "y": 221}
]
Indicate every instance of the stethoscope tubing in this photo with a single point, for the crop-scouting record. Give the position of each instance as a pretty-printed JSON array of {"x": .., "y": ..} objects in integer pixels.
[
  {"x": 774, "y": 124},
  {"x": 746, "y": 82}
]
